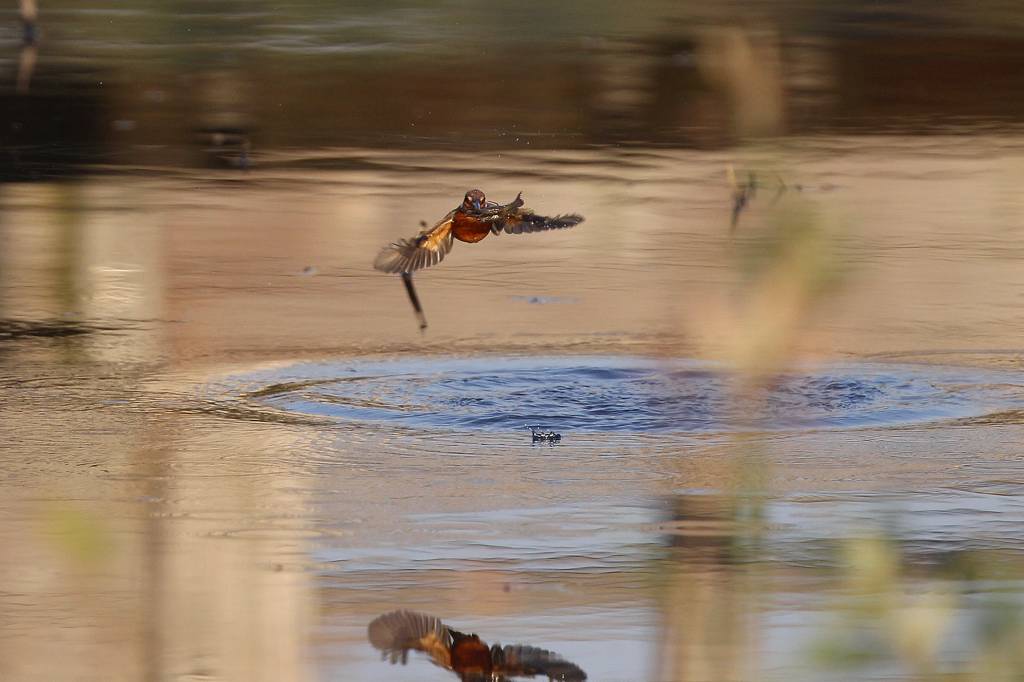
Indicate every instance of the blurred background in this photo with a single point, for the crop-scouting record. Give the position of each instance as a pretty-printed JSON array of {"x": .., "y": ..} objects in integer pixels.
[{"x": 784, "y": 350}]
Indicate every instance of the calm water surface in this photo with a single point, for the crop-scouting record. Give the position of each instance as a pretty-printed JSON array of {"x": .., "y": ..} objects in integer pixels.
[{"x": 226, "y": 446}]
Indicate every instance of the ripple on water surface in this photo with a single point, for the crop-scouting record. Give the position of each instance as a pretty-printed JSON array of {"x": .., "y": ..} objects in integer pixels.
[{"x": 625, "y": 395}]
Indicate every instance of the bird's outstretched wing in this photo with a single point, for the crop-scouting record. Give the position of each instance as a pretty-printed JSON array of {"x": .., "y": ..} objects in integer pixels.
[
  {"x": 523, "y": 222},
  {"x": 427, "y": 248},
  {"x": 527, "y": 661},
  {"x": 514, "y": 218},
  {"x": 397, "y": 632}
]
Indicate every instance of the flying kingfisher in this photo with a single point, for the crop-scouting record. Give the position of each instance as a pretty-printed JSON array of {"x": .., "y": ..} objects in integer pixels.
[{"x": 470, "y": 222}]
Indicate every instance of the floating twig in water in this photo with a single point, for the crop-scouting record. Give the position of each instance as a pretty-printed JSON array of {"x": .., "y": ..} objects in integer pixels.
[
  {"x": 783, "y": 188},
  {"x": 742, "y": 193},
  {"x": 540, "y": 436}
]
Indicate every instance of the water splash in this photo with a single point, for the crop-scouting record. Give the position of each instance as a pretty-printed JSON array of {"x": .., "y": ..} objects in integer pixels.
[{"x": 627, "y": 395}]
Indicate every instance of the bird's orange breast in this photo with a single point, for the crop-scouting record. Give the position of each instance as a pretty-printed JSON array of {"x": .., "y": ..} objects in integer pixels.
[
  {"x": 466, "y": 228},
  {"x": 470, "y": 655}
]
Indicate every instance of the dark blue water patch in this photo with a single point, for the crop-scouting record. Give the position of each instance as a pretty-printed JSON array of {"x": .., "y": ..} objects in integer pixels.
[{"x": 629, "y": 395}]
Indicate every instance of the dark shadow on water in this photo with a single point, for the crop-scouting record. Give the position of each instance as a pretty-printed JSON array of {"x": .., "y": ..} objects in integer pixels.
[
  {"x": 13, "y": 330},
  {"x": 54, "y": 125}
]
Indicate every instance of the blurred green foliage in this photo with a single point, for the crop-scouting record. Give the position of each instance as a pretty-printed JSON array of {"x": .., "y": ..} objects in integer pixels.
[
  {"x": 80, "y": 535},
  {"x": 955, "y": 620}
]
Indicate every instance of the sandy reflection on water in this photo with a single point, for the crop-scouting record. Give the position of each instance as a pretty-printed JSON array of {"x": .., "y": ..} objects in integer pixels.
[{"x": 160, "y": 533}]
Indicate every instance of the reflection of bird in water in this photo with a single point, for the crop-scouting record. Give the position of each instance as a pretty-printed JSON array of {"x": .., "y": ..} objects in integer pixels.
[
  {"x": 467, "y": 656},
  {"x": 470, "y": 222}
]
